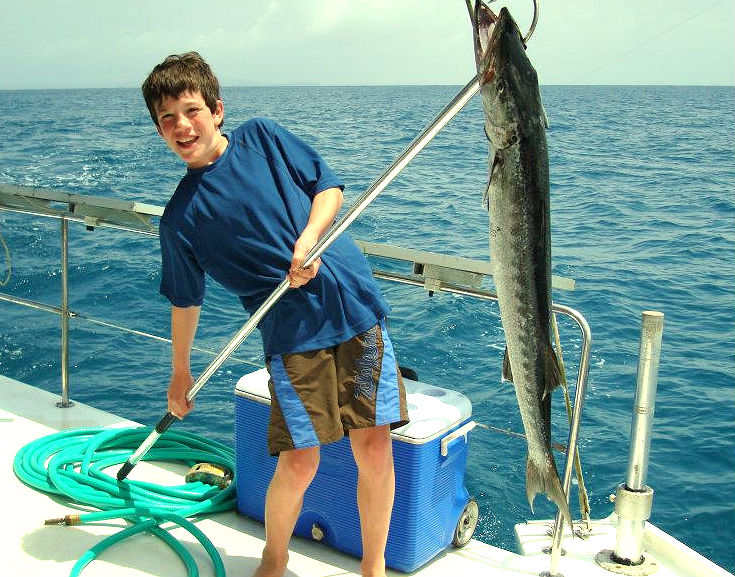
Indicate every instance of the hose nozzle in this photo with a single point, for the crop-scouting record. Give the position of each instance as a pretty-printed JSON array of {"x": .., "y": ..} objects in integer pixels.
[{"x": 64, "y": 521}]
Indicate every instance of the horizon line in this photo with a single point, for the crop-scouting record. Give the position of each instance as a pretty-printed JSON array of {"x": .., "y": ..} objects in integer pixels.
[{"x": 347, "y": 85}]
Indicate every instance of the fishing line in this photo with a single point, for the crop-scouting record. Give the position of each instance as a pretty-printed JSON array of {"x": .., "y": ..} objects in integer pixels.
[
  {"x": 510, "y": 433},
  {"x": 651, "y": 39},
  {"x": 72, "y": 464},
  {"x": 140, "y": 333}
]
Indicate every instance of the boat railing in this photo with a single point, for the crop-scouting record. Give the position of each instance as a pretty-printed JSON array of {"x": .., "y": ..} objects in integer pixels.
[{"x": 432, "y": 271}]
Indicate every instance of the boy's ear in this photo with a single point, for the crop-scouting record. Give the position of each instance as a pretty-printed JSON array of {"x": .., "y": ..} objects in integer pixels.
[{"x": 219, "y": 112}]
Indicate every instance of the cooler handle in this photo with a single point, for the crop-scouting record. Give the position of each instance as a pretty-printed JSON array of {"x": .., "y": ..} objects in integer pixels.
[{"x": 460, "y": 432}]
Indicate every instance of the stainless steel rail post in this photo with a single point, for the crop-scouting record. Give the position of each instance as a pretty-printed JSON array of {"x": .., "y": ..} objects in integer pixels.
[
  {"x": 418, "y": 143},
  {"x": 64, "y": 403},
  {"x": 634, "y": 499},
  {"x": 579, "y": 395}
]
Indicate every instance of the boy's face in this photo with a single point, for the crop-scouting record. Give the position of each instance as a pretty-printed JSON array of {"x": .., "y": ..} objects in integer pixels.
[{"x": 191, "y": 129}]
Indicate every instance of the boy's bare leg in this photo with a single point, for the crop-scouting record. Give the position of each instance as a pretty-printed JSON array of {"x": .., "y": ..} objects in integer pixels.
[
  {"x": 294, "y": 471},
  {"x": 375, "y": 491}
]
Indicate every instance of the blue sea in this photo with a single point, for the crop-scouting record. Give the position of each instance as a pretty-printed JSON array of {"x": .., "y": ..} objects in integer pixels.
[{"x": 643, "y": 208}]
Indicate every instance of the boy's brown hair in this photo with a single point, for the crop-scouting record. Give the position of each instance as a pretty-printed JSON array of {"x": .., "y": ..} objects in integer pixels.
[{"x": 177, "y": 74}]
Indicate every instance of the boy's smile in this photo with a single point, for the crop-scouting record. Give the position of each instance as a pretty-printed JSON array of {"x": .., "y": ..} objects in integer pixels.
[{"x": 191, "y": 129}]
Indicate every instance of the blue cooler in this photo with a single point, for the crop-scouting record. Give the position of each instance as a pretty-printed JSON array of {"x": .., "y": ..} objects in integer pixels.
[{"x": 432, "y": 509}]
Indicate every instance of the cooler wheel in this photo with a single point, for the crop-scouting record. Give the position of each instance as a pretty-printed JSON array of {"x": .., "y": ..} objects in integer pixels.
[{"x": 466, "y": 524}]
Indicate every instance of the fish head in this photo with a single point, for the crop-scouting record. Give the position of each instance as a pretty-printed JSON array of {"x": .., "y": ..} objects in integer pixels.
[{"x": 508, "y": 80}]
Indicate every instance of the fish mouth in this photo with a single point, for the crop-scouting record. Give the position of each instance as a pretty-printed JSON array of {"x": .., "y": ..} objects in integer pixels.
[
  {"x": 484, "y": 20},
  {"x": 484, "y": 23},
  {"x": 489, "y": 29}
]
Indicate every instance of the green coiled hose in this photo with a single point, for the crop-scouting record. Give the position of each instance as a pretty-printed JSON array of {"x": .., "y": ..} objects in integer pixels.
[{"x": 72, "y": 464}]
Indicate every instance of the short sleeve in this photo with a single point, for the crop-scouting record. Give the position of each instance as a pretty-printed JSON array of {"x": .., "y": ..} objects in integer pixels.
[
  {"x": 306, "y": 166},
  {"x": 182, "y": 278}
]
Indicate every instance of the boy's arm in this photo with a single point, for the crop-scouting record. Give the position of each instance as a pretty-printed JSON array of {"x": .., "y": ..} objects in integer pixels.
[
  {"x": 184, "y": 323},
  {"x": 324, "y": 209}
]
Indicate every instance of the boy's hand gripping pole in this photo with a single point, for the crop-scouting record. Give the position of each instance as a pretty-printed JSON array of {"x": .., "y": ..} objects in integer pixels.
[{"x": 338, "y": 228}]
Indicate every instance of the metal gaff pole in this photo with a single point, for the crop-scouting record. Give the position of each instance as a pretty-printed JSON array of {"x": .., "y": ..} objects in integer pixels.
[{"x": 418, "y": 143}]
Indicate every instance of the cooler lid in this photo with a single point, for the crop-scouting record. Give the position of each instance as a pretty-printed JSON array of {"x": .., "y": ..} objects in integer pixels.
[
  {"x": 432, "y": 410},
  {"x": 254, "y": 386}
]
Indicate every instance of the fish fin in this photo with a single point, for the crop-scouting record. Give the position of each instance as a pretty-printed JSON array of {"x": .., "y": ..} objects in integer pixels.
[
  {"x": 486, "y": 194},
  {"x": 547, "y": 481},
  {"x": 554, "y": 375},
  {"x": 507, "y": 373},
  {"x": 532, "y": 485},
  {"x": 545, "y": 118},
  {"x": 546, "y": 414}
]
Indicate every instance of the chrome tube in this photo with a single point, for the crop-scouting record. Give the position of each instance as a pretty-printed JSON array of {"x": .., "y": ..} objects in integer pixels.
[
  {"x": 645, "y": 400},
  {"x": 633, "y": 500},
  {"x": 64, "y": 403},
  {"x": 29, "y": 303},
  {"x": 579, "y": 395},
  {"x": 239, "y": 337}
]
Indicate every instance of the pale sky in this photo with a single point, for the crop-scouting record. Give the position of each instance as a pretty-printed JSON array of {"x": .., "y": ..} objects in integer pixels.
[{"x": 78, "y": 44}]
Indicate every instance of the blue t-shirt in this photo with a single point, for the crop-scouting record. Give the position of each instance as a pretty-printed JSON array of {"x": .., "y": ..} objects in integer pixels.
[{"x": 238, "y": 220}]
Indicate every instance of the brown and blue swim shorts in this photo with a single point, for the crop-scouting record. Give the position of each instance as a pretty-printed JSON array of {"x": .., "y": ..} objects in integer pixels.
[{"x": 318, "y": 396}]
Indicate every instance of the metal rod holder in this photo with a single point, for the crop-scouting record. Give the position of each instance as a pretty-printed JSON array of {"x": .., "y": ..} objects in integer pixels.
[
  {"x": 642, "y": 424},
  {"x": 634, "y": 499}
]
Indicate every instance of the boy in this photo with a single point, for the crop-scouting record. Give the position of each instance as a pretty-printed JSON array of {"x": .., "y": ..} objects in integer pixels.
[{"x": 250, "y": 207}]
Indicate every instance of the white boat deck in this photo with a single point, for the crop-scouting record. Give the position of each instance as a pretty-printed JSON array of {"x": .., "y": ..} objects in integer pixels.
[{"x": 30, "y": 549}]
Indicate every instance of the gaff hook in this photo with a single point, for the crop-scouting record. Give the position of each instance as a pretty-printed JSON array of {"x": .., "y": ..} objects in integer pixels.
[{"x": 533, "y": 23}]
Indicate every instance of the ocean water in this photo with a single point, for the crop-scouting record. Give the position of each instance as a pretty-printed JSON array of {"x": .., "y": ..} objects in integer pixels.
[{"x": 643, "y": 209}]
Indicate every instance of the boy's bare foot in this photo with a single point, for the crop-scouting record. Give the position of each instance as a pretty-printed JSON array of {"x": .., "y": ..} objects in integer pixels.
[
  {"x": 372, "y": 570},
  {"x": 271, "y": 566}
]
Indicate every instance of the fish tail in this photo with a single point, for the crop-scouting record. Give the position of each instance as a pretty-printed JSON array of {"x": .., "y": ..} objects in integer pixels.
[{"x": 547, "y": 481}]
